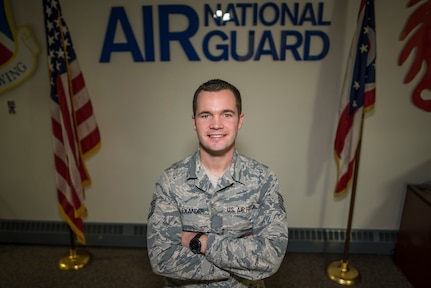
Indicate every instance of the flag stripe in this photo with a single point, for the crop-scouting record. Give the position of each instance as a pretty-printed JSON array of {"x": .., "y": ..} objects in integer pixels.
[
  {"x": 87, "y": 143},
  {"x": 85, "y": 112},
  {"x": 358, "y": 95},
  {"x": 74, "y": 126}
]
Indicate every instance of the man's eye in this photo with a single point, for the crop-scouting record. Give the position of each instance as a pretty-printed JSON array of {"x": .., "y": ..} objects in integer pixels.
[
  {"x": 205, "y": 116},
  {"x": 227, "y": 115}
]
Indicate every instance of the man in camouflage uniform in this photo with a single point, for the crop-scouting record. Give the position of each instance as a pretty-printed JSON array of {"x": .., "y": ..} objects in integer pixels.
[{"x": 217, "y": 218}]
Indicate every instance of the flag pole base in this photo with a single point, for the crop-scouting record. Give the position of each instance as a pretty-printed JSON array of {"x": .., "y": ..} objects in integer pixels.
[
  {"x": 343, "y": 273},
  {"x": 74, "y": 260}
]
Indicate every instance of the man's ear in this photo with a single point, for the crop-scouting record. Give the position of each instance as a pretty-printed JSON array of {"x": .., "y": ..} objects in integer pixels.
[
  {"x": 194, "y": 122},
  {"x": 241, "y": 118}
]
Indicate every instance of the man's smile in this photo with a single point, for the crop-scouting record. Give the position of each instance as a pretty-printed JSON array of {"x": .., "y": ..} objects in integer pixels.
[{"x": 216, "y": 135}]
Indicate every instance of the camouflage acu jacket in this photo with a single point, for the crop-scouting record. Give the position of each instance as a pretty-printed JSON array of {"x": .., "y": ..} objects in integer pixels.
[{"x": 245, "y": 202}]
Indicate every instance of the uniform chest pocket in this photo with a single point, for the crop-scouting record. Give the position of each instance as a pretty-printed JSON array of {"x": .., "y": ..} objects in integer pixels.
[
  {"x": 194, "y": 218},
  {"x": 237, "y": 221}
]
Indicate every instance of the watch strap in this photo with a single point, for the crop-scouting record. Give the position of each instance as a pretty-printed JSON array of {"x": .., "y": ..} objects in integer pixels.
[
  {"x": 195, "y": 244},
  {"x": 197, "y": 236}
]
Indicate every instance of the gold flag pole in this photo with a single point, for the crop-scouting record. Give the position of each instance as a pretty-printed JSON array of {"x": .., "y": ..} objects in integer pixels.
[
  {"x": 74, "y": 260},
  {"x": 342, "y": 271}
]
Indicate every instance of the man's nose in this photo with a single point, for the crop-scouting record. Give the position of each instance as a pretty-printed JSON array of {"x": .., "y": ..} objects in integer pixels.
[{"x": 216, "y": 123}]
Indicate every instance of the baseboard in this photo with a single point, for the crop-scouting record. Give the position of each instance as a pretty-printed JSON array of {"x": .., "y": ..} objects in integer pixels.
[
  {"x": 126, "y": 235},
  {"x": 324, "y": 240}
]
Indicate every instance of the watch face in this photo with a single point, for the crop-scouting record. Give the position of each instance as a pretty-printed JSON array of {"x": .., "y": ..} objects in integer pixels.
[{"x": 195, "y": 246}]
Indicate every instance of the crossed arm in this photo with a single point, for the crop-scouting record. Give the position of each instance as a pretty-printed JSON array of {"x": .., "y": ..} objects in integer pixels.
[{"x": 255, "y": 257}]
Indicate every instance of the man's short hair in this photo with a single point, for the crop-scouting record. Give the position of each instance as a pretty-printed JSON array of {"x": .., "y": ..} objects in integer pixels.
[{"x": 215, "y": 85}]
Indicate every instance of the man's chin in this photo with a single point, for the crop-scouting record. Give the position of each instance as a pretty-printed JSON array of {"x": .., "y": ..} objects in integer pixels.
[{"x": 217, "y": 152}]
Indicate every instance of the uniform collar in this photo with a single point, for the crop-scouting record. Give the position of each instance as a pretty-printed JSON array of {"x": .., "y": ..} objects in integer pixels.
[{"x": 197, "y": 170}]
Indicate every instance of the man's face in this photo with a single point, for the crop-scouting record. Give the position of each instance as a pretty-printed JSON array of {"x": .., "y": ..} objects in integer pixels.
[{"x": 217, "y": 122}]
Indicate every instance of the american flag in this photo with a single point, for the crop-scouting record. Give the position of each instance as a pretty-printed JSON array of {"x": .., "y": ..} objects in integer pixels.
[
  {"x": 76, "y": 134},
  {"x": 358, "y": 95}
]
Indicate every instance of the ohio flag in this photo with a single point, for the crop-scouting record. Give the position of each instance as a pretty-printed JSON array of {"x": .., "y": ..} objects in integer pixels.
[{"x": 358, "y": 95}]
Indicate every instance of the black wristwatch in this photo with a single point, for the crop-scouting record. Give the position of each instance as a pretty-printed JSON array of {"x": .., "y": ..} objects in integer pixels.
[{"x": 195, "y": 243}]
